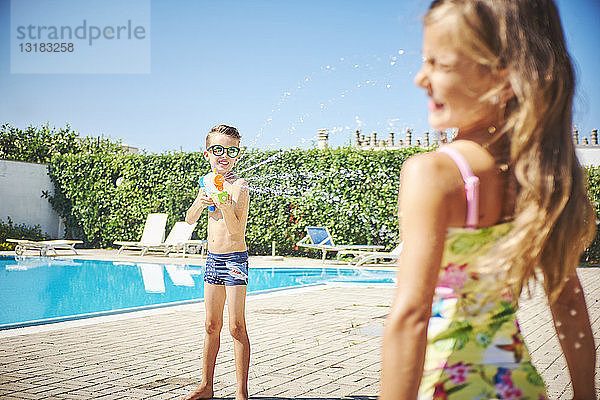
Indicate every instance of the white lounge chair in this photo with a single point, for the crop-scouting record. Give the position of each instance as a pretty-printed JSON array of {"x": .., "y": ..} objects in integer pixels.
[
  {"x": 195, "y": 246},
  {"x": 363, "y": 257},
  {"x": 319, "y": 238},
  {"x": 43, "y": 246},
  {"x": 154, "y": 234},
  {"x": 180, "y": 234}
]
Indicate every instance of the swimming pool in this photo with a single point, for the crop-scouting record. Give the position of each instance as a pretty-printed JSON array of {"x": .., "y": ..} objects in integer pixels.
[{"x": 39, "y": 290}]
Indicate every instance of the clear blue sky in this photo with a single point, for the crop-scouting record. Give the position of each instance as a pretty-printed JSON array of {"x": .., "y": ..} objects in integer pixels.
[{"x": 278, "y": 70}]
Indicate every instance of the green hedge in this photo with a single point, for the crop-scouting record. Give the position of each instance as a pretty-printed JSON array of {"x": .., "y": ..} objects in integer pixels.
[
  {"x": 592, "y": 254},
  {"x": 40, "y": 144},
  {"x": 105, "y": 194},
  {"x": 106, "y": 197}
]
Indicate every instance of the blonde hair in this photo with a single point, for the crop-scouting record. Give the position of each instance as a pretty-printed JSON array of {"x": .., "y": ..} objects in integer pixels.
[
  {"x": 223, "y": 130},
  {"x": 554, "y": 219}
]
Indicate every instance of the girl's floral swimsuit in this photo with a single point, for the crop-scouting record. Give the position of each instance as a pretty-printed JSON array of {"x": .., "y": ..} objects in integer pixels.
[{"x": 475, "y": 349}]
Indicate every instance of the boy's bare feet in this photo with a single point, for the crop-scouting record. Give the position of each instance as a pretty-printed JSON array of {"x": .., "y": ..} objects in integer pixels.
[
  {"x": 203, "y": 392},
  {"x": 241, "y": 395}
]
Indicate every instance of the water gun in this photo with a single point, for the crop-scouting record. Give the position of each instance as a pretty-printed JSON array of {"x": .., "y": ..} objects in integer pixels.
[{"x": 212, "y": 184}]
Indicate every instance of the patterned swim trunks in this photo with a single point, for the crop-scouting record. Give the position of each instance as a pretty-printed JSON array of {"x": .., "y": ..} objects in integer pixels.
[{"x": 229, "y": 269}]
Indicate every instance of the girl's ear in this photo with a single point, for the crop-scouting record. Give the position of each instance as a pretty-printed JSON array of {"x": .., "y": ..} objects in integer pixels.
[{"x": 205, "y": 155}]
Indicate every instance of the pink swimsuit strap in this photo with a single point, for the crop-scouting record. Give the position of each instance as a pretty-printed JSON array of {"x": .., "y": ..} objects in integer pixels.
[{"x": 471, "y": 185}]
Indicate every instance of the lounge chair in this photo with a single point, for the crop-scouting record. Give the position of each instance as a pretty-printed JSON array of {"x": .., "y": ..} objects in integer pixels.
[
  {"x": 180, "y": 234},
  {"x": 43, "y": 246},
  {"x": 319, "y": 238},
  {"x": 195, "y": 247},
  {"x": 153, "y": 235},
  {"x": 363, "y": 257}
]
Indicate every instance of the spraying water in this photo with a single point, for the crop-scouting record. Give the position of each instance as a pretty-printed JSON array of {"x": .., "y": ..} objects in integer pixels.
[{"x": 293, "y": 123}]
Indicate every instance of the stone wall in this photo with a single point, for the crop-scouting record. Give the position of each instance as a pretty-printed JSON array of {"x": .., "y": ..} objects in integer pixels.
[{"x": 587, "y": 148}]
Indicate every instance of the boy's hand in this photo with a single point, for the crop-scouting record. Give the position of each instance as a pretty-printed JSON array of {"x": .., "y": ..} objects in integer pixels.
[
  {"x": 226, "y": 206},
  {"x": 202, "y": 201}
]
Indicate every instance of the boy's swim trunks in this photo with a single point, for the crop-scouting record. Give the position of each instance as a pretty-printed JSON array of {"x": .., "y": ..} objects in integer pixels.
[{"x": 227, "y": 269}]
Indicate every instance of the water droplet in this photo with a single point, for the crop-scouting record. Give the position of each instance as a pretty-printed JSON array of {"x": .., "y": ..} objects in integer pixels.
[
  {"x": 577, "y": 290},
  {"x": 561, "y": 336},
  {"x": 400, "y": 51},
  {"x": 341, "y": 58},
  {"x": 558, "y": 323},
  {"x": 393, "y": 63},
  {"x": 581, "y": 335},
  {"x": 577, "y": 345},
  {"x": 355, "y": 65},
  {"x": 573, "y": 312},
  {"x": 388, "y": 86}
]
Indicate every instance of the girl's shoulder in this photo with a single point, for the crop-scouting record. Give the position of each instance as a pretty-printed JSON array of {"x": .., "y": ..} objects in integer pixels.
[{"x": 432, "y": 169}]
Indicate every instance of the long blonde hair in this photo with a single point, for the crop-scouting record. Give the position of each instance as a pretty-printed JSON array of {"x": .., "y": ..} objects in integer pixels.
[{"x": 554, "y": 219}]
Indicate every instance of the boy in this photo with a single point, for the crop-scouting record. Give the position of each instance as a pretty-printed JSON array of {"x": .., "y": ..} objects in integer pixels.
[{"x": 226, "y": 274}]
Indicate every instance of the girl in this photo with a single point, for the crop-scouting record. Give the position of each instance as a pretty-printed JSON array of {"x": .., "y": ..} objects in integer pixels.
[{"x": 484, "y": 216}]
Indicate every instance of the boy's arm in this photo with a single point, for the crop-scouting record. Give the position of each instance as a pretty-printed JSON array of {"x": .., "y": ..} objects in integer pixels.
[
  {"x": 572, "y": 324},
  {"x": 193, "y": 213},
  {"x": 235, "y": 213}
]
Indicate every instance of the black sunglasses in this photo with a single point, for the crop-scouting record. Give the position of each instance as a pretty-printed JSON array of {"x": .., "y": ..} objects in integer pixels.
[{"x": 218, "y": 150}]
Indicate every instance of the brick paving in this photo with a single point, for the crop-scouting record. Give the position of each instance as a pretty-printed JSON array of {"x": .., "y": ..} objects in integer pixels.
[{"x": 313, "y": 343}]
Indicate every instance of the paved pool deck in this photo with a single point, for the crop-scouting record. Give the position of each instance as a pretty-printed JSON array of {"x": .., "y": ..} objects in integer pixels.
[{"x": 321, "y": 342}]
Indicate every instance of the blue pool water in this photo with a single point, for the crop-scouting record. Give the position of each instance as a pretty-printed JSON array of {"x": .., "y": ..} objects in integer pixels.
[{"x": 36, "y": 290}]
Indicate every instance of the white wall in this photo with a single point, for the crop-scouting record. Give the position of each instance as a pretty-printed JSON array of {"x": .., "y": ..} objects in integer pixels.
[
  {"x": 21, "y": 186},
  {"x": 588, "y": 155}
]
